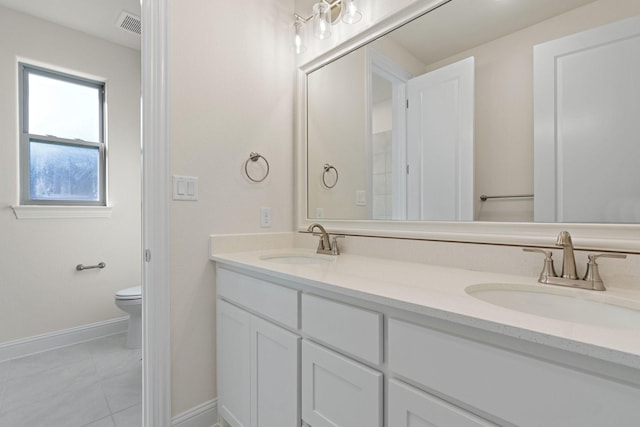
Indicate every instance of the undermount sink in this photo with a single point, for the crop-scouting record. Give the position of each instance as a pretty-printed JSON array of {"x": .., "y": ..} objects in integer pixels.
[
  {"x": 586, "y": 307},
  {"x": 297, "y": 258}
]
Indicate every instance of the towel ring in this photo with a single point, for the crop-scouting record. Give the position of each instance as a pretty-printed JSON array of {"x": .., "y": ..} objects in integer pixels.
[
  {"x": 327, "y": 168},
  {"x": 254, "y": 157}
]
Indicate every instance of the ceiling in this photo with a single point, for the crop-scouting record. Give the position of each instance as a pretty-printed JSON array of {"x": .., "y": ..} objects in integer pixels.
[
  {"x": 95, "y": 17},
  {"x": 469, "y": 23}
]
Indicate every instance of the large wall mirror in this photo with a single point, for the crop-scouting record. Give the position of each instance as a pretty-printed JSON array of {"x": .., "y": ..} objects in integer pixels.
[{"x": 481, "y": 110}]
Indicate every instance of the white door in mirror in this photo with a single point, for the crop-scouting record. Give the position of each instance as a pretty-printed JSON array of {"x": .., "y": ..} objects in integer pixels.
[
  {"x": 587, "y": 104},
  {"x": 440, "y": 143}
]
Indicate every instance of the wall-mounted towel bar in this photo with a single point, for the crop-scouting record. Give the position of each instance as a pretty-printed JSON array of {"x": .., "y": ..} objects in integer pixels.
[
  {"x": 81, "y": 267},
  {"x": 484, "y": 197}
]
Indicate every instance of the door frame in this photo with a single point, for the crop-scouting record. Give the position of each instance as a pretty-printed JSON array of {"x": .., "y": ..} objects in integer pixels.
[
  {"x": 156, "y": 350},
  {"x": 377, "y": 62}
]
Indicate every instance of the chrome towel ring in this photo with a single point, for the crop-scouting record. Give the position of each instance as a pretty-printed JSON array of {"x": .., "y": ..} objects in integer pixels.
[
  {"x": 254, "y": 157},
  {"x": 327, "y": 168}
]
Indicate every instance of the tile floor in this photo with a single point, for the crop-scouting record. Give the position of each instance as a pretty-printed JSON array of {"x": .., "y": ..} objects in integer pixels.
[{"x": 93, "y": 384}]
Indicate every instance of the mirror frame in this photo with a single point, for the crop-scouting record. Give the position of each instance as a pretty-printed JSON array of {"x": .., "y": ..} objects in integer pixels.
[{"x": 601, "y": 237}]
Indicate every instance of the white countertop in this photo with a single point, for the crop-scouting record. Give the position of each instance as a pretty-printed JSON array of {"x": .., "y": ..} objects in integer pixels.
[{"x": 440, "y": 292}]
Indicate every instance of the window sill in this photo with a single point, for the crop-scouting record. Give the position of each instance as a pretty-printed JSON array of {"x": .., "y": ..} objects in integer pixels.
[{"x": 61, "y": 212}]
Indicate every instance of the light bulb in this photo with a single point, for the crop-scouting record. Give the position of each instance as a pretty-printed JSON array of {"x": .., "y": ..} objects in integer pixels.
[
  {"x": 299, "y": 37},
  {"x": 322, "y": 20},
  {"x": 351, "y": 13}
]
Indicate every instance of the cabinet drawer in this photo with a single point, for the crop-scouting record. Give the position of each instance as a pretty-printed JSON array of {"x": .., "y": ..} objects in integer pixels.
[
  {"x": 409, "y": 407},
  {"x": 272, "y": 301},
  {"x": 338, "y": 391},
  {"x": 354, "y": 330},
  {"x": 516, "y": 388}
]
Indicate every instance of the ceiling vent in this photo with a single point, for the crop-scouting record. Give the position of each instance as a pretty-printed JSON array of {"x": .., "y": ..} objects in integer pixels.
[{"x": 129, "y": 22}]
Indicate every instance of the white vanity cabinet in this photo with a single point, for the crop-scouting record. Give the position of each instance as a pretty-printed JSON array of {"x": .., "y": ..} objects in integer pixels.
[
  {"x": 292, "y": 352},
  {"x": 258, "y": 361}
]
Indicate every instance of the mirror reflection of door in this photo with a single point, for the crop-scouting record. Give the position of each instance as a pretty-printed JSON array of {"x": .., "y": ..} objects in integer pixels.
[
  {"x": 421, "y": 141},
  {"x": 587, "y": 104},
  {"x": 440, "y": 143}
]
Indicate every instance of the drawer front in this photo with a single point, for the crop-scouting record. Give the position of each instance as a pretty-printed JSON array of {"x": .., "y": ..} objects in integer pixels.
[
  {"x": 348, "y": 328},
  {"x": 410, "y": 407},
  {"x": 516, "y": 388},
  {"x": 338, "y": 391},
  {"x": 272, "y": 301}
]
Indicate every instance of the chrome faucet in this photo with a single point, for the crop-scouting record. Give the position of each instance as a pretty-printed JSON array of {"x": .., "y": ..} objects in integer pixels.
[
  {"x": 568, "y": 258},
  {"x": 569, "y": 276},
  {"x": 325, "y": 246}
]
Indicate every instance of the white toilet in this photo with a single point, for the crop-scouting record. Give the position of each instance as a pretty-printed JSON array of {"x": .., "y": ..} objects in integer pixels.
[{"x": 129, "y": 300}]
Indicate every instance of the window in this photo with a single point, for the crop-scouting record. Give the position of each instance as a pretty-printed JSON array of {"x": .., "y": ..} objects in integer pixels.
[{"x": 62, "y": 149}]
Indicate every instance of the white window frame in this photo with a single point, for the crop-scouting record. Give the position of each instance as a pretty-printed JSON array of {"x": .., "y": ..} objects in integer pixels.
[{"x": 26, "y": 137}]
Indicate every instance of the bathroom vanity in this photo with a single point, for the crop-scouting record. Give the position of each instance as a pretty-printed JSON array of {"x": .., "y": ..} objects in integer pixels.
[{"x": 356, "y": 341}]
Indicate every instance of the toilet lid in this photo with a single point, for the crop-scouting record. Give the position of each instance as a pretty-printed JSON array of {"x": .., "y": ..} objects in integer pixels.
[{"x": 134, "y": 292}]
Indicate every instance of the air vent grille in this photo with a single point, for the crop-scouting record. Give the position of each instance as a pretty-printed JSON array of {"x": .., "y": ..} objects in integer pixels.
[{"x": 129, "y": 22}]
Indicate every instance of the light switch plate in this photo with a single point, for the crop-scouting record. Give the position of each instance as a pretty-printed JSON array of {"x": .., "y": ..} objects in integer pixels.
[
  {"x": 185, "y": 187},
  {"x": 361, "y": 198}
]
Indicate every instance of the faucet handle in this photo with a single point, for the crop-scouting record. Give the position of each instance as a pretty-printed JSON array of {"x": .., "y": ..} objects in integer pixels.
[
  {"x": 593, "y": 273},
  {"x": 547, "y": 270},
  {"x": 334, "y": 243}
]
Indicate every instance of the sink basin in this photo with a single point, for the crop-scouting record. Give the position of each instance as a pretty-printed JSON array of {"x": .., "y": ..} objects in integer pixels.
[
  {"x": 586, "y": 307},
  {"x": 297, "y": 258}
]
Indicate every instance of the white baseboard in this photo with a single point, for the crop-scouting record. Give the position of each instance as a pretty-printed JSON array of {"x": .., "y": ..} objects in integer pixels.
[
  {"x": 49, "y": 341},
  {"x": 203, "y": 415}
]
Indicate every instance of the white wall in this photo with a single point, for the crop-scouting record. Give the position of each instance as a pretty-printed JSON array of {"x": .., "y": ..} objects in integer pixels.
[
  {"x": 41, "y": 291},
  {"x": 231, "y": 77}
]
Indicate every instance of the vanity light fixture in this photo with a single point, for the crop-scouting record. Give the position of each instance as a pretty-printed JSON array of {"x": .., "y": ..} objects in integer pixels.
[{"x": 324, "y": 14}]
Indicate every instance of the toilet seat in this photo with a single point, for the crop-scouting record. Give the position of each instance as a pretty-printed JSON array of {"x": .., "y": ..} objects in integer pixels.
[{"x": 132, "y": 293}]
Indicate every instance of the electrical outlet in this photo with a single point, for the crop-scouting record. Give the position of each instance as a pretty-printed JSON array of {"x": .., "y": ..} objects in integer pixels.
[{"x": 265, "y": 217}]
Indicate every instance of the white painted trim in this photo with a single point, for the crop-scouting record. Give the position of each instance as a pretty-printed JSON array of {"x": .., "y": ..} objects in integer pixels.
[
  {"x": 51, "y": 340},
  {"x": 615, "y": 237},
  {"x": 398, "y": 77},
  {"x": 156, "y": 190},
  {"x": 61, "y": 212},
  {"x": 203, "y": 415}
]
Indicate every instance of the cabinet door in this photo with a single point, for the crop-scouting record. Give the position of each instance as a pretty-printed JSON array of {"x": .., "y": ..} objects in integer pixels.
[
  {"x": 410, "y": 407},
  {"x": 234, "y": 348},
  {"x": 275, "y": 355},
  {"x": 337, "y": 391}
]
